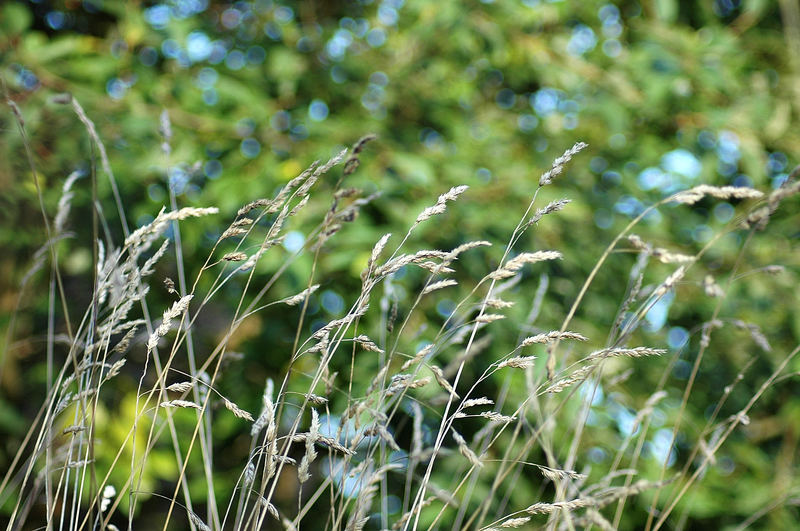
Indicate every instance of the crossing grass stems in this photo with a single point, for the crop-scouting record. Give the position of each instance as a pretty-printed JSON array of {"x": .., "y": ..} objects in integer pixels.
[{"x": 336, "y": 437}]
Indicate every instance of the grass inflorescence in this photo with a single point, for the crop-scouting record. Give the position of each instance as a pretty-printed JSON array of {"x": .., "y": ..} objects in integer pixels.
[{"x": 378, "y": 418}]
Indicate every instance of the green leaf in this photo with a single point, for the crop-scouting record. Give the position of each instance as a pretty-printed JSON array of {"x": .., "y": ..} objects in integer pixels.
[{"x": 14, "y": 19}]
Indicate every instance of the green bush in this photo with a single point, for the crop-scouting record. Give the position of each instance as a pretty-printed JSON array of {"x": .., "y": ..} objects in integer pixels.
[{"x": 409, "y": 385}]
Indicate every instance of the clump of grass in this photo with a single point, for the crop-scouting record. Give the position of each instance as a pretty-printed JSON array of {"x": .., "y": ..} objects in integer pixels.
[{"x": 419, "y": 429}]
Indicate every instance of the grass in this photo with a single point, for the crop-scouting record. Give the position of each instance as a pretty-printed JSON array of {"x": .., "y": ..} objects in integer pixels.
[{"x": 378, "y": 418}]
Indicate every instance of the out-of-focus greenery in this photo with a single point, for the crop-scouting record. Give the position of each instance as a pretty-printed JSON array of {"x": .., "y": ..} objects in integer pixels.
[{"x": 667, "y": 94}]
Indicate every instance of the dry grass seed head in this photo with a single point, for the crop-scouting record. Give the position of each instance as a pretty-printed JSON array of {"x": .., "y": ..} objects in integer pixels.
[
  {"x": 330, "y": 442},
  {"x": 352, "y": 163},
  {"x": 515, "y": 264},
  {"x": 465, "y": 450},
  {"x": 442, "y": 381},
  {"x": 553, "y": 206},
  {"x": 267, "y": 415},
  {"x": 310, "y": 455},
  {"x": 125, "y": 342},
  {"x": 638, "y": 243},
  {"x": 693, "y": 195},
  {"x": 147, "y": 268},
  {"x": 333, "y": 161},
  {"x": 711, "y": 288},
  {"x": 438, "y": 285},
  {"x": 417, "y": 258},
  {"x": 550, "y": 337},
  {"x": 515, "y": 522},
  {"x": 64, "y": 203},
  {"x": 499, "y": 304},
  {"x": 235, "y": 257},
  {"x": 364, "y": 501},
  {"x": 560, "y": 162},
  {"x": 156, "y": 227},
  {"x": 299, "y": 206},
  {"x": 452, "y": 255},
  {"x": 494, "y": 416},
  {"x": 258, "y": 203},
  {"x": 114, "y": 369},
  {"x": 177, "y": 309},
  {"x": 249, "y": 475},
  {"x": 237, "y": 411},
  {"x": 367, "y": 344},
  {"x": 380, "y": 429},
  {"x": 231, "y": 232},
  {"x": 376, "y": 252},
  {"x": 419, "y": 356},
  {"x": 755, "y": 333},
  {"x": 109, "y": 491},
  {"x": 489, "y": 318},
  {"x": 554, "y": 474},
  {"x": 636, "y": 352},
  {"x": 300, "y": 297},
  {"x": 547, "y": 508},
  {"x": 774, "y": 269},
  {"x": 440, "y": 206},
  {"x": 181, "y": 404},
  {"x": 401, "y": 382},
  {"x": 338, "y": 323},
  {"x": 667, "y": 257},
  {"x": 518, "y": 362},
  {"x": 670, "y": 281},
  {"x": 483, "y": 401},
  {"x": 577, "y": 376},
  {"x": 315, "y": 400},
  {"x": 180, "y": 387},
  {"x": 198, "y": 522}
]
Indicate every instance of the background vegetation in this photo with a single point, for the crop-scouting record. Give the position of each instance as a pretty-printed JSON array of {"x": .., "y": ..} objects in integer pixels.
[{"x": 666, "y": 94}]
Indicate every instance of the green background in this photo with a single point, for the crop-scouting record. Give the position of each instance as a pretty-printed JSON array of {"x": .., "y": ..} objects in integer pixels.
[{"x": 668, "y": 94}]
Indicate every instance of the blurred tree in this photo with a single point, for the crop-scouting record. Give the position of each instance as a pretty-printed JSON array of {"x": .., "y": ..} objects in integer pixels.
[{"x": 667, "y": 94}]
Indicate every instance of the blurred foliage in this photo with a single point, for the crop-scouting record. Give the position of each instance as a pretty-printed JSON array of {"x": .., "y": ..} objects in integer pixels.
[{"x": 666, "y": 93}]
